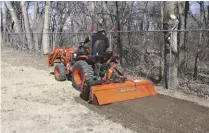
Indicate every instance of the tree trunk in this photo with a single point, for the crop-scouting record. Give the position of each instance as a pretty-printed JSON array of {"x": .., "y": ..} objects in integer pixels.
[
  {"x": 93, "y": 17},
  {"x": 170, "y": 23},
  {"x": 208, "y": 17},
  {"x": 46, "y": 40},
  {"x": 182, "y": 35},
  {"x": 141, "y": 25},
  {"x": 72, "y": 24},
  {"x": 129, "y": 22},
  {"x": 59, "y": 28},
  {"x": 6, "y": 27},
  {"x": 72, "y": 29},
  {"x": 129, "y": 34},
  {"x": 18, "y": 29},
  {"x": 186, "y": 34},
  {"x": 38, "y": 27},
  {"x": 27, "y": 25},
  {"x": 85, "y": 22},
  {"x": 119, "y": 45},
  {"x": 106, "y": 8},
  {"x": 35, "y": 27},
  {"x": 35, "y": 11},
  {"x": 162, "y": 44},
  {"x": 197, "y": 59},
  {"x": 1, "y": 38}
]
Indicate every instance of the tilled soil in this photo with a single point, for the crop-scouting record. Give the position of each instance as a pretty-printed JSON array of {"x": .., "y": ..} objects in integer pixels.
[
  {"x": 157, "y": 114},
  {"x": 32, "y": 101}
]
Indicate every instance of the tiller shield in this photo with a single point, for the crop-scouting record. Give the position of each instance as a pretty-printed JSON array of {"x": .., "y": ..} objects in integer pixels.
[{"x": 114, "y": 92}]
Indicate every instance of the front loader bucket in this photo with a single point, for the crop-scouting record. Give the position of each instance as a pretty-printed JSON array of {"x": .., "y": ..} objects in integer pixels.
[{"x": 115, "y": 92}]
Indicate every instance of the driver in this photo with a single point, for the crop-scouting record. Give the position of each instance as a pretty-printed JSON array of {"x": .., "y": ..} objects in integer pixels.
[{"x": 98, "y": 37}]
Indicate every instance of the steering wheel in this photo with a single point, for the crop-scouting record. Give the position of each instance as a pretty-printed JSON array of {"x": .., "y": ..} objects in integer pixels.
[
  {"x": 103, "y": 31},
  {"x": 81, "y": 44}
]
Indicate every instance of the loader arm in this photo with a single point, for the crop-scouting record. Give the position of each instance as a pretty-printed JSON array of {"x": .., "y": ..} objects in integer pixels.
[{"x": 57, "y": 54}]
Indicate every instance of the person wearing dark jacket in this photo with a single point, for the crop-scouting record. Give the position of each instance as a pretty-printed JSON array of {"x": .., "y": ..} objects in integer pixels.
[{"x": 99, "y": 42}]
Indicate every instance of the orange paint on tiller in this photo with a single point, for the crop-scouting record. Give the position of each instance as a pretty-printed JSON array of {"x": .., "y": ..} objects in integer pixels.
[{"x": 115, "y": 92}]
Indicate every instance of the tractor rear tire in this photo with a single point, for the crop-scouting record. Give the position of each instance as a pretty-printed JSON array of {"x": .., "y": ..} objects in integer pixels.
[
  {"x": 79, "y": 69},
  {"x": 60, "y": 72},
  {"x": 86, "y": 92}
]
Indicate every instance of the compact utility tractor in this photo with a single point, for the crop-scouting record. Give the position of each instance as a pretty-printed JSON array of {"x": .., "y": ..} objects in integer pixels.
[{"x": 95, "y": 72}]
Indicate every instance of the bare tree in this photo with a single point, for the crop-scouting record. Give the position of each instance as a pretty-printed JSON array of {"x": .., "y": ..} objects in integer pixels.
[
  {"x": 119, "y": 45},
  {"x": 170, "y": 23},
  {"x": 200, "y": 43},
  {"x": 1, "y": 26},
  {"x": 183, "y": 10},
  {"x": 35, "y": 28},
  {"x": 38, "y": 25},
  {"x": 162, "y": 4},
  {"x": 36, "y": 7},
  {"x": 208, "y": 16},
  {"x": 46, "y": 40},
  {"x": 27, "y": 25},
  {"x": 16, "y": 22},
  {"x": 63, "y": 12}
]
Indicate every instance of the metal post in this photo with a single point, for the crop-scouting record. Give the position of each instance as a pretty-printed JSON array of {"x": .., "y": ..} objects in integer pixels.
[
  {"x": 53, "y": 43},
  {"x": 169, "y": 71},
  {"x": 12, "y": 36},
  {"x": 70, "y": 39},
  {"x": 76, "y": 37},
  {"x": 93, "y": 16},
  {"x": 111, "y": 42},
  {"x": 82, "y": 37}
]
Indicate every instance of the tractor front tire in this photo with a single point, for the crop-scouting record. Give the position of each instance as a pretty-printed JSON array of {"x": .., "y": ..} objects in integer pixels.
[{"x": 60, "y": 72}]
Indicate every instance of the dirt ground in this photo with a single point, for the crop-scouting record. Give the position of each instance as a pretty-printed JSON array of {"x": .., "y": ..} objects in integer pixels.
[{"x": 32, "y": 101}]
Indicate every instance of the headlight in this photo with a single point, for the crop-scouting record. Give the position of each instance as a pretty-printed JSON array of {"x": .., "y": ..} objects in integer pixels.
[{"x": 74, "y": 55}]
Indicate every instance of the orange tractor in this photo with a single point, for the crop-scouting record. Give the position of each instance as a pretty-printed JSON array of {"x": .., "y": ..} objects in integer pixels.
[{"x": 95, "y": 73}]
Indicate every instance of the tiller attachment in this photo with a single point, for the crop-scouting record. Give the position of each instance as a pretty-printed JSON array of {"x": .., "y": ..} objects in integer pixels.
[{"x": 114, "y": 92}]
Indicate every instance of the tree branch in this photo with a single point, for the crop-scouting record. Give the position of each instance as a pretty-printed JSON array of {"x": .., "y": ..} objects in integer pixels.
[{"x": 194, "y": 18}]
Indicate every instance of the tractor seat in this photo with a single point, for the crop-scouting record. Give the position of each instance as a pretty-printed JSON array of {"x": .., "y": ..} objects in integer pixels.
[{"x": 100, "y": 44}]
